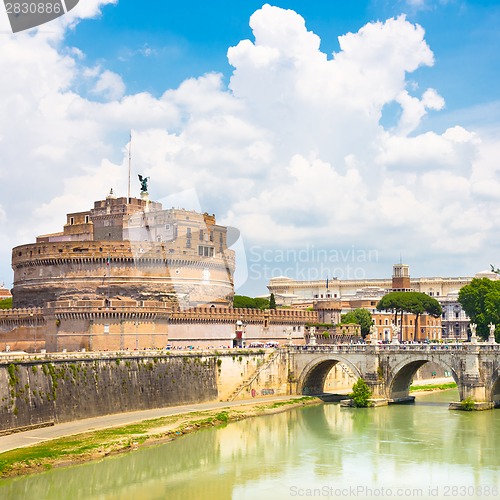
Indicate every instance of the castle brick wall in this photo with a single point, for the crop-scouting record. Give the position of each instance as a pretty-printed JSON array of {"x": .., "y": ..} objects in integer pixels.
[{"x": 114, "y": 324}]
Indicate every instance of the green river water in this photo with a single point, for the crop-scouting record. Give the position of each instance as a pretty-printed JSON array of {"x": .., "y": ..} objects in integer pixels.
[{"x": 325, "y": 451}]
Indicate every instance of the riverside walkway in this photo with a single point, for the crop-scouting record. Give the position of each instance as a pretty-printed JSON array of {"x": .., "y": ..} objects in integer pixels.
[{"x": 35, "y": 436}]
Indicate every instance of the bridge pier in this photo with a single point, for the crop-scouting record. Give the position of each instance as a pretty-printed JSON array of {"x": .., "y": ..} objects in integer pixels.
[
  {"x": 377, "y": 387},
  {"x": 475, "y": 406}
]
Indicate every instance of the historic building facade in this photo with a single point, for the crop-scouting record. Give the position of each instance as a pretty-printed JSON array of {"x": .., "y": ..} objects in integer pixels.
[
  {"x": 365, "y": 294},
  {"x": 288, "y": 291}
]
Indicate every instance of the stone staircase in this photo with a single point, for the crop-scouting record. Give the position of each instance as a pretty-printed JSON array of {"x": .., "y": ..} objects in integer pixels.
[
  {"x": 347, "y": 371},
  {"x": 254, "y": 375}
]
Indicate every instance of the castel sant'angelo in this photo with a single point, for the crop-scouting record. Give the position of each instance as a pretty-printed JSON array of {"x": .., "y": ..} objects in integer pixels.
[
  {"x": 130, "y": 274},
  {"x": 127, "y": 247}
]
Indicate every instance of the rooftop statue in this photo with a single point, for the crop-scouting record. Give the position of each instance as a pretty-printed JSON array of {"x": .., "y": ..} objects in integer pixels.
[{"x": 144, "y": 183}]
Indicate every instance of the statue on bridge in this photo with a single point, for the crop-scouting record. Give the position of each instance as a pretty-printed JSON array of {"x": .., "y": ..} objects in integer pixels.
[
  {"x": 373, "y": 334},
  {"x": 473, "y": 328},
  {"x": 491, "y": 338},
  {"x": 312, "y": 336},
  {"x": 395, "y": 333}
]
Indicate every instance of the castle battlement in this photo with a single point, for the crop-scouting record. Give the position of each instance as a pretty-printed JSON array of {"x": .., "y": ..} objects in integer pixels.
[{"x": 245, "y": 315}]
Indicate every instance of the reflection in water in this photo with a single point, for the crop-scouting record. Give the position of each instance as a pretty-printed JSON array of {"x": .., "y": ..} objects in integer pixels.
[{"x": 416, "y": 447}]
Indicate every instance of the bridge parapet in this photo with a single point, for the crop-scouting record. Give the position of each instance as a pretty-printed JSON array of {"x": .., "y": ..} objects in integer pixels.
[{"x": 398, "y": 348}]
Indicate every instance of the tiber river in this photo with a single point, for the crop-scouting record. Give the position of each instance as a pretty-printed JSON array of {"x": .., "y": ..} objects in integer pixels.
[{"x": 406, "y": 451}]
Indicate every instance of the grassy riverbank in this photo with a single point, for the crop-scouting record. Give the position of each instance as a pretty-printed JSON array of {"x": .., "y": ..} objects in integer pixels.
[
  {"x": 433, "y": 387},
  {"x": 99, "y": 444}
]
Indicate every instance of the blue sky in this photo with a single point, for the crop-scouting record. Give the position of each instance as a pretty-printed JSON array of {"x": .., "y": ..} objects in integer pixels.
[
  {"x": 387, "y": 147},
  {"x": 189, "y": 39}
]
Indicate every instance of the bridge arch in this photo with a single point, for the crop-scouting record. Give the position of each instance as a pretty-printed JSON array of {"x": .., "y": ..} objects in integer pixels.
[
  {"x": 401, "y": 375},
  {"x": 313, "y": 376},
  {"x": 494, "y": 387}
]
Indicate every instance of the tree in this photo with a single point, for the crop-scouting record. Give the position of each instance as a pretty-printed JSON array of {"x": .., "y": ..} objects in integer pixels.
[
  {"x": 419, "y": 303},
  {"x": 6, "y": 303},
  {"x": 480, "y": 300},
  {"x": 360, "y": 394},
  {"x": 272, "y": 302},
  {"x": 416, "y": 303},
  {"x": 361, "y": 317},
  {"x": 249, "y": 302},
  {"x": 392, "y": 301}
]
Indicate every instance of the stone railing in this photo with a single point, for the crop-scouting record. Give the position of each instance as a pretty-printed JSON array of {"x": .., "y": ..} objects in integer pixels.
[
  {"x": 443, "y": 348},
  {"x": 9, "y": 357}
]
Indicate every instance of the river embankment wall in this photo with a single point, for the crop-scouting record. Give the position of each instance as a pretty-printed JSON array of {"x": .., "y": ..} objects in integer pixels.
[{"x": 54, "y": 389}]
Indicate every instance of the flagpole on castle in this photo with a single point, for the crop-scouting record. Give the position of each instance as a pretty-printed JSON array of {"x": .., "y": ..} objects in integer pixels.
[{"x": 129, "y": 164}]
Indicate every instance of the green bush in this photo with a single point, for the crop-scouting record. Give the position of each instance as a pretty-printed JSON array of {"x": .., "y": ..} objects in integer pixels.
[
  {"x": 360, "y": 394},
  {"x": 222, "y": 417},
  {"x": 6, "y": 303},
  {"x": 468, "y": 404},
  {"x": 249, "y": 302}
]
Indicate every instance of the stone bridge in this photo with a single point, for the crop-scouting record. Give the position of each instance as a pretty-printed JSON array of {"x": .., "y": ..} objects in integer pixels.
[{"x": 389, "y": 369}]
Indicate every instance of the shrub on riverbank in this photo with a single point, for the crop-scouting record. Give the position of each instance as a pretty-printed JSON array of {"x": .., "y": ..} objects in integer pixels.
[
  {"x": 468, "y": 404},
  {"x": 360, "y": 394}
]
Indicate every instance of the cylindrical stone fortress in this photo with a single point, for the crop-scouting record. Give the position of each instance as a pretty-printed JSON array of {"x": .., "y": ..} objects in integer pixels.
[{"x": 127, "y": 247}]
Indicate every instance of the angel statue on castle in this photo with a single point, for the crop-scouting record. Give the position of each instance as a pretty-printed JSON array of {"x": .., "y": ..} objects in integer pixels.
[{"x": 144, "y": 183}]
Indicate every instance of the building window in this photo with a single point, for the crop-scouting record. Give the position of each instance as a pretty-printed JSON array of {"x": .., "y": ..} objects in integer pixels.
[
  {"x": 201, "y": 235},
  {"x": 71, "y": 220},
  {"x": 167, "y": 227},
  {"x": 87, "y": 219},
  {"x": 211, "y": 236},
  {"x": 188, "y": 243},
  {"x": 205, "y": 251}
]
